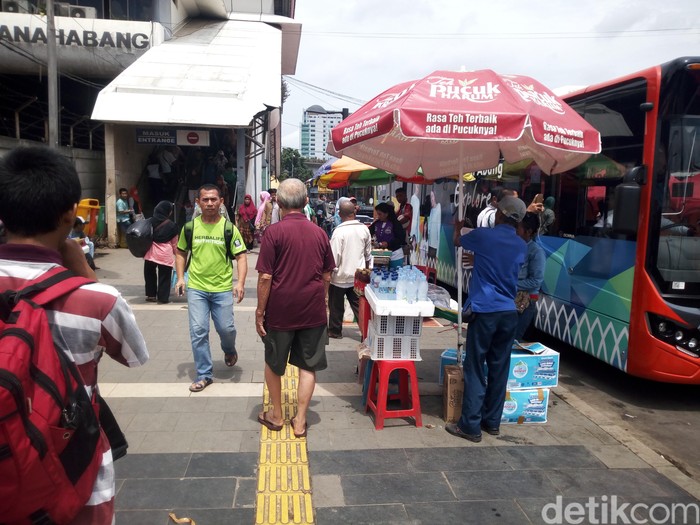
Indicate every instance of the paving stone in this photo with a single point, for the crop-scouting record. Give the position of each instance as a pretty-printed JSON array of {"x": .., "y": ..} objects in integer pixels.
[
  {"x": 441, "y": 459},
  {"x": 152, "y": 466},
  {"x": 367, "y": 489},
  {"x": 351, "y": 462},
  {"x": 550, "y": 457},
  {"x": 246, "y": 493},
  {"x": 483, "y": 485},
  {"x": 217, "y": 441},
  {"x": 363, "y": 515},
  {"x": 217, "y": 516},
  {"x": 496, "y": 511},
  {"x": 214, "y": 465},
  {"x": 149, "y": 422},
  {"x": 166, "y": 442},
  {"x": 201, "y": 493},
  {"x": 144, "y": 517},
  {"x": 622, "y": 482},
  {"x": 327, "y": 491}
]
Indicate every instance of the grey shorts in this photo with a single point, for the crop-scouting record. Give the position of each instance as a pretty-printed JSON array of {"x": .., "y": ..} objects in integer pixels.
[{"x": 305, "y": 349}]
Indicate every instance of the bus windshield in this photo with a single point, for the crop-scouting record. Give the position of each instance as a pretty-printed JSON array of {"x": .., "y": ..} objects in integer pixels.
[{"x": 678, "y": 260}]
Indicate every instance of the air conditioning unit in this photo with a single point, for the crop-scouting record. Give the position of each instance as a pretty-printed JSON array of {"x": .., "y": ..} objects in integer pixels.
[
  {"x": 79, "y": 11},
  {"x": 17, "y": 6},
  {"x": 61, "y": 9}
]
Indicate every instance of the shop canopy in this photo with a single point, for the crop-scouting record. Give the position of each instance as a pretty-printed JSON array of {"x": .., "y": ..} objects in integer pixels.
[{"x": 213, "y": 73}]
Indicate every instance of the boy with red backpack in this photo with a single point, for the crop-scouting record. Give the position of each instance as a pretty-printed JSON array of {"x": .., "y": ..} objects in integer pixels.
[{"x": 56, "y": 463}]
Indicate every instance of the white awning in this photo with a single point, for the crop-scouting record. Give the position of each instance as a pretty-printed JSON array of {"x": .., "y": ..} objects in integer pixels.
[{"x": 213, "y": 73}]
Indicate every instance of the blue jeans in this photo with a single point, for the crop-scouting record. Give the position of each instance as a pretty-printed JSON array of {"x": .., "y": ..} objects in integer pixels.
[
  {"x": 220, "y": 306},
  {"x": 524, "y": 320},
  {"x": 489, "y": 340}
]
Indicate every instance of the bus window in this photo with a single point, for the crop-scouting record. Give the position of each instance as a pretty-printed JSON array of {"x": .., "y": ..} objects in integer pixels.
[{"x": 595, "y": 204}]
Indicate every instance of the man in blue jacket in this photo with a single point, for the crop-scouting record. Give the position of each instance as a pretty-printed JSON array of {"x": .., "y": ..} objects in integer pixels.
[{"x": 498, "y": 255}]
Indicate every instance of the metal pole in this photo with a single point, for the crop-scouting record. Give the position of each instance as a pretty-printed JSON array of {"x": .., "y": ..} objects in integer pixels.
[
  {"x": 460, "y": 269},
  {"x": 52, "y": 73}
]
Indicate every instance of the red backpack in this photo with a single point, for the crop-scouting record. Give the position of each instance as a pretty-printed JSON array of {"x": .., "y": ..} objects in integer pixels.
[{"x": 50, "y": 449}]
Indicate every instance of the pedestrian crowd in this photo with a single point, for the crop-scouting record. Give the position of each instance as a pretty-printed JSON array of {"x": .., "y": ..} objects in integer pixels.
[{"x": 306, "y": 268}]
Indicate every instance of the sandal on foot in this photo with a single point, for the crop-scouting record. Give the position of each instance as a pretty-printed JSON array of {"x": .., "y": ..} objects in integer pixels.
[
  {"x": 303, "y": 434},
  {"x": 262, "y": 419},
  {"x": 201, "y": 384},
  {"x": 231, "y": 359}
]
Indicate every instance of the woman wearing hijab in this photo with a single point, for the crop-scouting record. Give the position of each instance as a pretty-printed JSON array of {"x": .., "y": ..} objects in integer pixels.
[
  {"x": 388, "y": 233},
  {"x": 264, "y": 215},
  {"x": 159, "y": 260},
  {"x": 247, "y": 212}
]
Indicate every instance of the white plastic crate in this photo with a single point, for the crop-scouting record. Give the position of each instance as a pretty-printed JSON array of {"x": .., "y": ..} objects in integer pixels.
[
  {"x": 399, "y": 347},
  {"x": 397, "y": 324}
]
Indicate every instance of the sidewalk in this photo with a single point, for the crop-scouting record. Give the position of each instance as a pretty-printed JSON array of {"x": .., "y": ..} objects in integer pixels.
[{"x": 198, "y": 454}]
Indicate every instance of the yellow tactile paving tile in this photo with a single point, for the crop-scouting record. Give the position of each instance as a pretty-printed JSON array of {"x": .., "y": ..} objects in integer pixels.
[{"x": 284, "y": 484}]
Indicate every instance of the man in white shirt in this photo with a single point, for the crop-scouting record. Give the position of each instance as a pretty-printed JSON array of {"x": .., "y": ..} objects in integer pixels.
[
  {"x": 351, "y": 244},
  {"x": 487, "y": 216},
  {"x": 275, "y": 217}
]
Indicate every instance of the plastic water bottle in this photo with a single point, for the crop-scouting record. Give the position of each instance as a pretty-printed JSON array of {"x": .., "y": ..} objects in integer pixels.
[
  {"x": 391, "y": 291},
  {"x": 422, "y": 288},
  {"x": 411, "y": 288},
  {"x": 401, "y": 286},
  {"x": 383, "y": 286},
  {"x": 376, "y": 281}
]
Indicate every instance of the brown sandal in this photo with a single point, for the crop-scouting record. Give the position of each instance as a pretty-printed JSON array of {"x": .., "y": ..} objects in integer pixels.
[
  {"x": 201, "y": 384},
  {"x": 231, "y": 359}
]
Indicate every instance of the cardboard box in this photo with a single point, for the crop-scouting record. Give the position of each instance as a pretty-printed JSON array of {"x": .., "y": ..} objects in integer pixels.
[
  {"x": 452, "y": 392},
  {"x": 448, "y": 357},
  {"x": 525, "y": 406},
  {"x": 527, "y": 370},
  {"x": 533, "y": 370}
]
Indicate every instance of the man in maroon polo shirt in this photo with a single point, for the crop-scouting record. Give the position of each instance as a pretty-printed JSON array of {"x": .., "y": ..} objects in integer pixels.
[{"x": 294, "y": 271}]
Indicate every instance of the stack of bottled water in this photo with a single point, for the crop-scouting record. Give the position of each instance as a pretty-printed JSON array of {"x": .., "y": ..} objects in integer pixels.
[{"x": 406, "y": 283}]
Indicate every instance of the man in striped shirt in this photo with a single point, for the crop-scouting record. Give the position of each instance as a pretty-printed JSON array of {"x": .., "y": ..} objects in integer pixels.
[{"x": 39, "y": 193}]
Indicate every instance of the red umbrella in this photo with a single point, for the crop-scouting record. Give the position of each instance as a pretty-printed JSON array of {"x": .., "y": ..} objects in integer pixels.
[{"x": 452, "y": 122}]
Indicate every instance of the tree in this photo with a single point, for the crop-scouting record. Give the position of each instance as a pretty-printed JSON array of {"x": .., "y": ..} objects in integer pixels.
[{"x": 293, "y": 165}]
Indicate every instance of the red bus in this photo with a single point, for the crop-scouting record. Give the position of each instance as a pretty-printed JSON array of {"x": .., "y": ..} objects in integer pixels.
[{"x": 622, "y": 280}]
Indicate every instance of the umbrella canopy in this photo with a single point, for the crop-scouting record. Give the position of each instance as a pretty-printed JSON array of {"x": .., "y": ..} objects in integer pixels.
[
  {"x": 450, "y": 123},
  {"x": 454, "y": 122},
  {"x": 346, "y": 171}
]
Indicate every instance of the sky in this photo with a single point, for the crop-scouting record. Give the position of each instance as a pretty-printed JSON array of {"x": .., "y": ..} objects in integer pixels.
[{"x": 360, "y": 48}]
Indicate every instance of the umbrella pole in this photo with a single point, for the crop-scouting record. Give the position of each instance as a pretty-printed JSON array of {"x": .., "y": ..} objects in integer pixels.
[{"x": 460, "y": 212}]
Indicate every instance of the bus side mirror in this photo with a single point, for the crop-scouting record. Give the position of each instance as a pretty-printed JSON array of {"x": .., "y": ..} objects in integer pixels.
[
  {"x": 626, "y": 215},
  {"x": 637, "y": 174}
]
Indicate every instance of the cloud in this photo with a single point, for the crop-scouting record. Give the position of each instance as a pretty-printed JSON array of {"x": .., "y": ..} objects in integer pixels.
[{"x": 363, "y": 47}]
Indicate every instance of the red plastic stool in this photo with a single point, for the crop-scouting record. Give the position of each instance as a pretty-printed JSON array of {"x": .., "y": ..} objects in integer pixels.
[
  {"x": 377, "y": 398},
  {"x": 365, "y": 314}
]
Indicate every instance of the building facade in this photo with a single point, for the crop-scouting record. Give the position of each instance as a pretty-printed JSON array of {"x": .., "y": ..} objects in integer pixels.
[
  {"x": 136, "y": 77},
  {"x": 315, "y": 131}
]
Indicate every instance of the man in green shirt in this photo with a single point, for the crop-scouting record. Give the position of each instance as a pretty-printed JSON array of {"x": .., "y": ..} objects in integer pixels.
[{"x": 210, "y": 289}]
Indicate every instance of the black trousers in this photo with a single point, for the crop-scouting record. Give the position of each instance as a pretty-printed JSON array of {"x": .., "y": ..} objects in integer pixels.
[
  {"x": 157, "y": 278},
  {"x": 336, "y": 306}
]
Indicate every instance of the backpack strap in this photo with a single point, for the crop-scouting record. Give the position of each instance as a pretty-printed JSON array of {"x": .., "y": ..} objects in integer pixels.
[
  {"x": 189, "y": 232},
  {"x": 55, "y": 283},
  {"x": 189, "y": 229},
  {"x": 228, "y": 237},
  {"x": 59, "y": 283}
]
